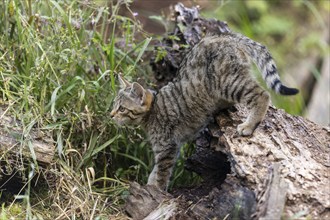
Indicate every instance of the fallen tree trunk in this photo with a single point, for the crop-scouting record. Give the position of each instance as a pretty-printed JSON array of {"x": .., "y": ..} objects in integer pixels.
[
  {"x": 281, "y": 170},
  {"x": 301, "y": 150},
  {"x": 15, "y": 145}
]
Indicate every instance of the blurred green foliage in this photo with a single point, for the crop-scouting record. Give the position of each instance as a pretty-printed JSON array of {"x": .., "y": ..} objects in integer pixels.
[
  {"x": 58, "y": 61},
  {"x": 291, "y": 30}
]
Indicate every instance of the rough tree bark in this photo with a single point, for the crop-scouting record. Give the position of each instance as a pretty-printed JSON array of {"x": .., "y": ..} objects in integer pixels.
[
  {"x": 11, "y": 139},
  {"x": 281, "y": 170}
]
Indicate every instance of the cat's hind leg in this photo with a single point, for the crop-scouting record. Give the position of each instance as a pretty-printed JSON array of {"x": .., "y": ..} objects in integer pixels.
[{"x": 257, "y": 101}]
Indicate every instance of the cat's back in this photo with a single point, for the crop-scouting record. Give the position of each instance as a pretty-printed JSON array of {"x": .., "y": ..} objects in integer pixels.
[
  {"x": 186, "y": 104},
  {"x": 227, "y": 42},
  {"x": 211, "y": 53}
]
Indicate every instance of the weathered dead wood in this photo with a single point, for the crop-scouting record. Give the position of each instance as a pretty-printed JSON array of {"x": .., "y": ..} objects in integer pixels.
[
  {"x": 149, "y": 202},
  {"x": 274, "y": 195},
  {"x": 15, "y": 145},
  {"x": 281, "y": 170},
  {"x": 301, "y": 147},
  {"x": 231, "y": 201},
  {"x": 189, "y": 30},
  {"x": 285, "y": 163}
]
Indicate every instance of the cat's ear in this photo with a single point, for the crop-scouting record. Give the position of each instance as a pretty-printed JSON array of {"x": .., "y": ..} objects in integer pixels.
[
  {"x": 123, "y": 82},
  {"x": 138, "y": 91}
]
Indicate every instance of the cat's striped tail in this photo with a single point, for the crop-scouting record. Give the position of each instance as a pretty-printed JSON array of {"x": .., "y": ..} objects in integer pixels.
[{"x": 263, "y": 59}]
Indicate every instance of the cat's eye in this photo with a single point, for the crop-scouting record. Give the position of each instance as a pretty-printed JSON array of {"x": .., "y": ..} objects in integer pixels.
[{"x": 121, "y": 109}]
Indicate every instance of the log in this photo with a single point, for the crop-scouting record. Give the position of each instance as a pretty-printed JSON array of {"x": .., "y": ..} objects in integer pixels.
[
  {"x": 14, "y": 144},
  {"x": 188, "y": 31},
  {"x": 300, "y": 146},
  {"x": 281, "y": 170},
  {"x": 274, "y": 195},
  {"x": 149, "y": 202}
]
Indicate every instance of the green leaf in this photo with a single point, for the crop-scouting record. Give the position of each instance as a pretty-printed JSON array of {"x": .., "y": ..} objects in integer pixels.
[
  {"x": 144, "y": 44},
  {"x": 32, "y": 152},
  {"x": 59, "y": 143},
  {"x": 106, "y": 144},
  {"x": 53, "y": 101}
]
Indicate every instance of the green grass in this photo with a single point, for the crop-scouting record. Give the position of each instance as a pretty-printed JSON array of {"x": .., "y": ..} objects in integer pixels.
[{"x": 58, "y": 61}]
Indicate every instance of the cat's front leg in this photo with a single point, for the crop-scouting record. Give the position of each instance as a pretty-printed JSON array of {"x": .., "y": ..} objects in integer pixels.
[{"x": 165, "y": 158}]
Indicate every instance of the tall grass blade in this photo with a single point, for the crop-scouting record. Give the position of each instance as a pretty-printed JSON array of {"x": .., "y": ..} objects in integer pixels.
[
  {"x": 106, "y": 144},
  {"x": 53, "y": 101},
  {"x": 32, "y": 152},
  {"x": 144, "y": 44}
]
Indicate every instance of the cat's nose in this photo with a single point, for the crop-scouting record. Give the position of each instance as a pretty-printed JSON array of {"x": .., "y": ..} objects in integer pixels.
[{"x": 112, "y": 114}]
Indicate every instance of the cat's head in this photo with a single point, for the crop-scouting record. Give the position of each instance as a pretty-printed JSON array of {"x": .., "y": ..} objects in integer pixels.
[{"x": 131, "y": 103}]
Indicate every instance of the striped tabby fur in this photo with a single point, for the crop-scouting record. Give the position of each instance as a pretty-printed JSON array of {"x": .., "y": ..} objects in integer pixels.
[{"x": 213, "y": 75}]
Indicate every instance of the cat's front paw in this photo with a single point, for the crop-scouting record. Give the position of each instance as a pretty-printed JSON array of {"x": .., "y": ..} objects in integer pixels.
[
  {"x": 245, "y": 129},
  {"x": 152, "y": 180}
]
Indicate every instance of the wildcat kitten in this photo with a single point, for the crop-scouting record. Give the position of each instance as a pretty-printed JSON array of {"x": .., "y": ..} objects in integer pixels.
[{"x": 213, "y": 75}]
